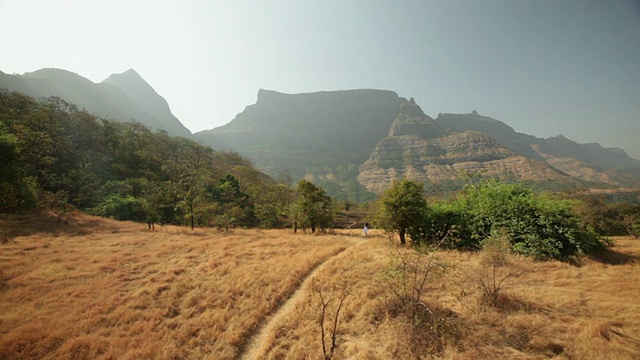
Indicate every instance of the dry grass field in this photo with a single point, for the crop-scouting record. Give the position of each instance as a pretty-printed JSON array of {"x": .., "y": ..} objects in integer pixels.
[{"x": 99, "y": 289}]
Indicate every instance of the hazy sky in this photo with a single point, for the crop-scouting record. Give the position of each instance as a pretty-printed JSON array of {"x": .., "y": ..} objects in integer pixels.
[{"x": 545, "y": 67}]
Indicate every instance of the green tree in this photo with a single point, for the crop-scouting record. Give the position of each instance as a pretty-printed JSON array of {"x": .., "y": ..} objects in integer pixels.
[
  {"x": 402, "y": 208},
  {"x": 313, "y": 207},
  {"x": 232, "y": 205},
  {"x": 540, "y": 225},
  {"x": 190, "y": 174}
]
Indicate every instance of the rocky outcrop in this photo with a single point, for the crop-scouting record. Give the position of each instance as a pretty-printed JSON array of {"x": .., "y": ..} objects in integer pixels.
[
  {"x": 369, "y": 138},
  {"x": 421, "y": 149},
  {"x": 587, "y": 162}
]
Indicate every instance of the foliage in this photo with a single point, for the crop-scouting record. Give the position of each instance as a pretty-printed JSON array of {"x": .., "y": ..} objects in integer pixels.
[
  {"x": 51, "y": 150},
  {"x": 313, "y": 208},
  {"x": 271, "y": 204},
  {"x": 408, "y": 276},
  {"x": 631, "y": 221},
  {"x": 541, "y": 225},
  {"x": 232, "y": 206},
  {"x": 403, "y": 208}
]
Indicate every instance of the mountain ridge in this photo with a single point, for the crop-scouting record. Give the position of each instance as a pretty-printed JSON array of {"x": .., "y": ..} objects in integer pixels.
[
  {"x": 559, "y": 160},
  {"x": 122, "y": 97},
  {"x": 346, "y": 139}
]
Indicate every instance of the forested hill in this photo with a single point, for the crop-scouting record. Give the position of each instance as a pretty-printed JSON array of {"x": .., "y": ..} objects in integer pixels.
[
  {"x": 122, "y": 97},
  {"x": 55, "y": 156}
]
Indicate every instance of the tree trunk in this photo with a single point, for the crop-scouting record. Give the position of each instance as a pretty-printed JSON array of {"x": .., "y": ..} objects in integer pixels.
[
  {"x": 402, "y": 231},
  {"x": 191, "y": 209}
]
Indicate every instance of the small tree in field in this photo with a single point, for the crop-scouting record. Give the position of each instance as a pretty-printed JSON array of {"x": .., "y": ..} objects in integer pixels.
[
  {"x": 402, "y": 207},
  {"x": 313, "y": 208}
]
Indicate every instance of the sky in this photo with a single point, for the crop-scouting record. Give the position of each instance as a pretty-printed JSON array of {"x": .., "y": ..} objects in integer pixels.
[{"x": 544, "y": 67}]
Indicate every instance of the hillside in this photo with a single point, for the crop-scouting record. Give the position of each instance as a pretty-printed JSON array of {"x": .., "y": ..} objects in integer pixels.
[
  {"x": 302, "y": 131},
  {"x": 355, "y": 143},
  {"x": 94, "y": 288},
  {"x": 588, "y": 162},
  {"x": 122, "y": 97},
  {"x": 55, "y": 156},
  {"x": 420, "y": 149}
]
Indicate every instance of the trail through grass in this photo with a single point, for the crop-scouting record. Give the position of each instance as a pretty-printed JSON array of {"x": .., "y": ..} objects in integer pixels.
[{"x": 93, "y": 288}]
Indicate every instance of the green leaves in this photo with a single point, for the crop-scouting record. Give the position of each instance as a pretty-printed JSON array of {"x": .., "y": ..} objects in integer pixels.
[
  {"x": 542, "y": 226},
  {"x": 50, "y": 148},
  {"x": 313, "y": 207},
  {"x": 403, "y": 207}
]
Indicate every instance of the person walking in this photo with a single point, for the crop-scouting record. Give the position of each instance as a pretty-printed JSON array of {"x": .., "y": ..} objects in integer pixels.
[{"x": 365, "y": 230}]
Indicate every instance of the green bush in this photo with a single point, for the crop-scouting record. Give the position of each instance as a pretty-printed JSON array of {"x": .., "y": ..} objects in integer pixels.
[
  {"x": 538, "y": 225},
  {"x": 121, "y": 208}
]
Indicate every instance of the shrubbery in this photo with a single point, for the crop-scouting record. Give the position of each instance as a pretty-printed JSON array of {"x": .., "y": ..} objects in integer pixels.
[{"x": 539, "y": 225}]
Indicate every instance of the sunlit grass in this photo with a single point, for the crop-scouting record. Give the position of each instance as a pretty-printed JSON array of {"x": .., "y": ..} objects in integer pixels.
[
  {"x": 95, "y": 288},
  {"x": 127, "y": 293}
]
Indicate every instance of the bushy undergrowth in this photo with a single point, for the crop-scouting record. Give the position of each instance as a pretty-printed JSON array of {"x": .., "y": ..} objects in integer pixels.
[{"x": 540, "y": 225}]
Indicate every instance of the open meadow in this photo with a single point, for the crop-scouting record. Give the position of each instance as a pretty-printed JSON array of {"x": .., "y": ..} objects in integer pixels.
[{"x": 94, "y": 288}]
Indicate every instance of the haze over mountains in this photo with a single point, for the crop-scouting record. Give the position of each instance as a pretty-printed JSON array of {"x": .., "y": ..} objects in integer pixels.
[
  {"x": 346, "y": 140},
  {"x": 354, "y": 143},
  {"x": 123, "y": 97}
]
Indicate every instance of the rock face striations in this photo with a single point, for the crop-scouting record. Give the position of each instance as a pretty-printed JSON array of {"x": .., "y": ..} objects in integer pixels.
[
  {"x": 366, "y": 139},
  {"x": 588, "y": 162},
  {"x": 122, "y": 97},
  {"x": 419, "y": 148},
  {"x": 353, "y": 143}
]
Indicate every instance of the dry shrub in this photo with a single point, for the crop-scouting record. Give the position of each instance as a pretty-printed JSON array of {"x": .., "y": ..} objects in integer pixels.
[
  {"x": 410, "y": 275},
  {"x": 329, "y": 304},
  {"x": 495, "y": 267}
]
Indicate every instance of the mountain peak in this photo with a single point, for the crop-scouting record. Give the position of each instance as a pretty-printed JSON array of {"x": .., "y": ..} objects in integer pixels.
[
  {"x": 411, "y": 108},
  {"x": 129, "y": 76},
  {"x": 131, "y": 71},
  {"x": 120, "y": 97}
]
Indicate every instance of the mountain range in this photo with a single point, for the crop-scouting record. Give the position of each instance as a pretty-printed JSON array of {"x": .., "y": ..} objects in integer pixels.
[
  {"x": 122, "y": 97},
  {"x": 359, "y": 141},
  {"x": 354, "y": 143}
]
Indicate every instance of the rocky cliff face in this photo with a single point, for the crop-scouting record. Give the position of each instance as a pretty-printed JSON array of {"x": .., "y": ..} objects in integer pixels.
[
  {"x": 304, "y": 131},
  {"x": 123, "y": 97},
  {"x": 587, "y": 162},
  {"x": 418, "y": 148},
  {"x": 353, "y": 140}
]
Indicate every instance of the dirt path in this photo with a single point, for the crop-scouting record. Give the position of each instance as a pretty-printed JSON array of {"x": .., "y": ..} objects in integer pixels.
[{"x": 253, "y": 346}]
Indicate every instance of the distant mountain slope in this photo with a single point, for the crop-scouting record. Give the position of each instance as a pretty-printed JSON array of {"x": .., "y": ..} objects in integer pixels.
[
  {"x": 588, "y": 162},
  {"x": 124, "y": 97},
  {"x": 359, "y": 141},
  {"x": 302, "y": 131},
  {"x": 420, "y": 149}
]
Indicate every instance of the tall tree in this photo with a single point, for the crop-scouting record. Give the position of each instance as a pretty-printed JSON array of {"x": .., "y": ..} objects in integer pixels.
[
  {"x": 313, "y": 208},
  {"x": 402, "y": 206},
  {"x": 189, "y": 170}
]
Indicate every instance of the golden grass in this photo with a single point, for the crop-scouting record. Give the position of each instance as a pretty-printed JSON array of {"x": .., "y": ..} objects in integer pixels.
[
  {"x": 96, "y": 288},
  {"x": 547, "y": 310},
  {"x": 111, "y": 290}
]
